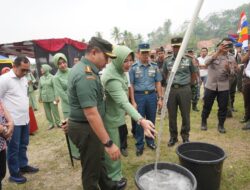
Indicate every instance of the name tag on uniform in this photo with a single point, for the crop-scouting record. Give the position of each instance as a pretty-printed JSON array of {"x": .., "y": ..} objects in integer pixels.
[{"x": 90, "y": 77}]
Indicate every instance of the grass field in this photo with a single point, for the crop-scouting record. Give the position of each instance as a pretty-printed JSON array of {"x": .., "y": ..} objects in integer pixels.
[{"x": 48, "y": 151}]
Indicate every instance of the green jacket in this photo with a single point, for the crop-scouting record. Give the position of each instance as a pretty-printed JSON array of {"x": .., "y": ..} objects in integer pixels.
[
  {"x": 115, "y": 83},
  {"x": 61, "y": 87},
  {"x": 31, "y": 79},
  {"x": 46, "y": 85},
  {"x": 61, "y": 84}
]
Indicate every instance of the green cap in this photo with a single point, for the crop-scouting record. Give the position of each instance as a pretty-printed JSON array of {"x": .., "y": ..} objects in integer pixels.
[
  {"x": 176, "y": 41},
  {"x": 104, "y": 45}
]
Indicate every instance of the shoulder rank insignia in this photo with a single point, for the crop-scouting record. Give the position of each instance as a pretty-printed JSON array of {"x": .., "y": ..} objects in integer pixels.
[{"x": 88, "y": 70}]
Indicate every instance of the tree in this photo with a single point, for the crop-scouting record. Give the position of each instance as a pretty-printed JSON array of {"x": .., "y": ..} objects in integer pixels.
[
  {"x": 116, "y": 35},
  {"x": 98, "y": 34}
]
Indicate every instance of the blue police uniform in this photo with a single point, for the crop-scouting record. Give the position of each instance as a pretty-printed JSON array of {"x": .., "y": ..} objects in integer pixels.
[{"x": 143, "y": 78}]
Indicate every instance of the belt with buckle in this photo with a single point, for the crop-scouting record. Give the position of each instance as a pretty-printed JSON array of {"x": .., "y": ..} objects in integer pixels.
[
  {"x": 145, "y": 92},
  {"x": 178, "y": 85}
]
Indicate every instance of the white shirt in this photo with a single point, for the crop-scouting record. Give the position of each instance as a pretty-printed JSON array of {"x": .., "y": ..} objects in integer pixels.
[
  {"x": 203, "y": 72},
  {"x": 14, "y": 93},
  {"x": 247, "y": 70},
  {"x": 127, "y": 74}
]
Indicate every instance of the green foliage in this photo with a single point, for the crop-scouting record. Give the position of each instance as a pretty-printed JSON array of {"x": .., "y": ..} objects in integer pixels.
[{"x": 215, "y": 25}]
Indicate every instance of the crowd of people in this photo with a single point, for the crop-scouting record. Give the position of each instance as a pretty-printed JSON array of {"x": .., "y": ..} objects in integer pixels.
[{"x": 94, "y": 105}]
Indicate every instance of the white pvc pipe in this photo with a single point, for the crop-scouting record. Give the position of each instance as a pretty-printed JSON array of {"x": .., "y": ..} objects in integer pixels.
[{"x": 172, "y": 74}]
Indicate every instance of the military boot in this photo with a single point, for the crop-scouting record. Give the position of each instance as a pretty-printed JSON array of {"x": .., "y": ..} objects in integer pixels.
[
  {"x": 203, "y": 124},
  {"x": 194, "y": 107},
  {"x": 221, "y": 128},
  {"x": 247, "y": 126}
]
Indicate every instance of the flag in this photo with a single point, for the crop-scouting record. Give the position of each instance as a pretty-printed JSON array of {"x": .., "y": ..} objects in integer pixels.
[{"x": 243, "y": 31}]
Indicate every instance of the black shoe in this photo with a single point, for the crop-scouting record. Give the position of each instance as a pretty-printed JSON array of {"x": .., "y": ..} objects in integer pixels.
[
  {"x": 139, "y": 152},
  {"x": 120, "y": 185},
  {"x": 186, "y": 140},
  {"x": 51, "y": 127},
  {"x": 243, "y": 120},
  {"x": 18, "y": 178},
  {"x": 29, "y": 169},
  {"x": 124, "y": 152},
  {"x": 234, "y": 110},
  {"x": 203, "y": 125},
  {"x": 246, "y": 127},
  {"x": 172, "y": 141},
  {"x": 152, "y": 146},
  {"x": 229, "y": 114},
  {"x": 221, "y": 129},
  {"x": 195, "y": 108}
]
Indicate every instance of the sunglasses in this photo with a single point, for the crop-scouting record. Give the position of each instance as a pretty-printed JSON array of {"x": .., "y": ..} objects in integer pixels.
[{"x": 25, "y": 70}]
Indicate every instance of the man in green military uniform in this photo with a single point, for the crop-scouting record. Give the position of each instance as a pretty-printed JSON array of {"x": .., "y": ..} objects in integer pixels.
[
  {"x": 87, "y": 107},
  {"x": 195, "y": 87},
  {"x": 61, "y": 87},
  {"x": 48, "y": 98},
  {"x": 180, "y": 94}
]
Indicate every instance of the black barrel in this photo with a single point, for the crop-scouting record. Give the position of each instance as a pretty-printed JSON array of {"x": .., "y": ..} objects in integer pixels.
[
  {"x": 164, "y": 165},
  {"x": 205, "y": 161}
]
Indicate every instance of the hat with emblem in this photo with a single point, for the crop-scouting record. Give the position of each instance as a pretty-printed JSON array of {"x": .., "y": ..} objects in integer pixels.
[
  {"x": 176, "y": 41},
  {"x": 144, "y": 47},
  {"x": 104, "y": 45}
]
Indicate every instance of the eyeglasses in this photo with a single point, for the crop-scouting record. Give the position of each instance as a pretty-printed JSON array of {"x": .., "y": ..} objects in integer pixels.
[{"x": 25, "y": 70}]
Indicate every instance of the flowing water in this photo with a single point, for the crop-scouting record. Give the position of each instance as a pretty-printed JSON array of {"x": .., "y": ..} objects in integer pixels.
[{"x": 164, "y": 180}]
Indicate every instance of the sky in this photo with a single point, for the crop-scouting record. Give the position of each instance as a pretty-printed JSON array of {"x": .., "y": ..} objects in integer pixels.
[{"x": 77, "y": 19}]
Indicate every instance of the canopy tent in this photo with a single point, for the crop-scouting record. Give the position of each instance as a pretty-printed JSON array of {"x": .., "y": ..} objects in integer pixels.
[
  {"x": 5, "y": 62},
  {"x": 43, "y": 50}
]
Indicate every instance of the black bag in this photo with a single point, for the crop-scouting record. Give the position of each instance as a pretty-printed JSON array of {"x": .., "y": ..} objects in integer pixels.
[{"x": 35, "y": 86}]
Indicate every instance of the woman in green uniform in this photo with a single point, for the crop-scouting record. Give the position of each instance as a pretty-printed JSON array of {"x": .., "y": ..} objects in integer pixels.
[
  {"x": 115, "y": 83},
  {"x": 48, "y": 98},
  {"x": 61, "y": 87}
]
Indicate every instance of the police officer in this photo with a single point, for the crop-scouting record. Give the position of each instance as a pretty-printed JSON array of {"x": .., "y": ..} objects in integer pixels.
[
  {"x": 86, "y": 128},
  {"x": 220, "y": 66},
  {"x": 180, "y": 94},
  {"x": 145, "y": 78}
]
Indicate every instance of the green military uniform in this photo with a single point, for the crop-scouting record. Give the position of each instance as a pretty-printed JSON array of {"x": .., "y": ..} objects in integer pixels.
[
  {"x": 61, "y": 87},
  {"x": 32, "y": 99},
  {"x": 47, "y": 96},
  {"x": 84, "y": 91},
  {"x": 180, "y": 95},
  {"x": 115, "y": 83}
]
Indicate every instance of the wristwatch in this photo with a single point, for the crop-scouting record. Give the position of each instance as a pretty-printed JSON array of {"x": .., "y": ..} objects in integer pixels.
[{"x": 109, "y": 143}]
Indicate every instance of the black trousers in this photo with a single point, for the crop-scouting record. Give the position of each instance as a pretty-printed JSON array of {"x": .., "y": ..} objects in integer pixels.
[
  {"x": 233, "y": 85},
  {"x": 179, "y": 98},
  {"x": 246, "y": 96},
  {"x": 94, "y": 174},
  {"x": 222, "y": 99},
  {"x": 2, "y": 166},
  {"x": 123, "y": 133}
]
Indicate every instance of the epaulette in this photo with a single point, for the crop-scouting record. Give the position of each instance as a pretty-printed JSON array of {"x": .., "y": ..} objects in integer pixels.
[
  {"x": 153, "y": 63},
  {"x": 134, "y": 64},
  {"x": 88, "y": 70},
  {"x": 167, "y": 57}
]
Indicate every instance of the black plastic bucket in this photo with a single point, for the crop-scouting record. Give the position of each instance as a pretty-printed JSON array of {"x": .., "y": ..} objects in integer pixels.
[
  {"x": 205, "y": 161},
  {"x": 164, "y": 165}
]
